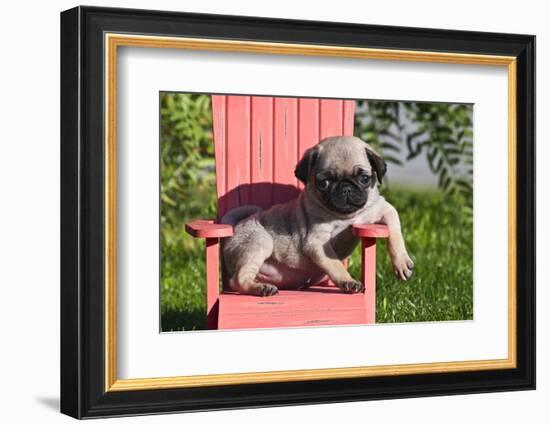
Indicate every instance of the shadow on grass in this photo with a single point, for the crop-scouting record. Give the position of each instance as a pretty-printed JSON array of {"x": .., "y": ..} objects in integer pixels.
[{"x": 183, "y": 320}]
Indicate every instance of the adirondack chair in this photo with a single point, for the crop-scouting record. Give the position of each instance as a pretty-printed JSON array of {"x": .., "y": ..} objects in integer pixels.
[{"x": 258, "y": 141}]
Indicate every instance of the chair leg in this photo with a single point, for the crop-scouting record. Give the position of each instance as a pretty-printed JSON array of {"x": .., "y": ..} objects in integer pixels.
[
  {"x": 368, "y": 275},
  {"x": 212, "y": 283}
]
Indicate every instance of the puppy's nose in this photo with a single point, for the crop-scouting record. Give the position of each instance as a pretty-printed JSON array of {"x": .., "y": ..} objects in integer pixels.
[{"x": 346, "y": 190}]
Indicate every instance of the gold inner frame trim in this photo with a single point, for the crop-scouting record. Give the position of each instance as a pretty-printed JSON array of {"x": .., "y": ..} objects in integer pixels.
[{"x": 113, "y": 41}]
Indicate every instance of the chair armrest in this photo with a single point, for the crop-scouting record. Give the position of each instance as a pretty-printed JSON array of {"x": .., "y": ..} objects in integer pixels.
[
  {"x": 368, "y": 234},
  {"x": 212, "y": 232},
  {"x": 208, "y": 229},
  {"x": 370, "y": 230}
]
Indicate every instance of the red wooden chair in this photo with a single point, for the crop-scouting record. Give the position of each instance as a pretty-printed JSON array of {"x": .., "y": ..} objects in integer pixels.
[{"x": 258, "y": 141}]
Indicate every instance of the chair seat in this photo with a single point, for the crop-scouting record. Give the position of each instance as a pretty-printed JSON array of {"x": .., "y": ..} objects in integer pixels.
[{"x": 315, "y": 306}]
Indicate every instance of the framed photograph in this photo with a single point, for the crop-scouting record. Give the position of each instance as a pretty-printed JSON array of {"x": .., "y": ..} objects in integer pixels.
[{"x": 261, "y": 212}]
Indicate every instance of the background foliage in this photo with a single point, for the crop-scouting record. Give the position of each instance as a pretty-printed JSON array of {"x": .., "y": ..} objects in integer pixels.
[
  {"x": 187, "y": 163},
  {"x": 441, "y": 132},
  {"x": 437, "y": 223}
]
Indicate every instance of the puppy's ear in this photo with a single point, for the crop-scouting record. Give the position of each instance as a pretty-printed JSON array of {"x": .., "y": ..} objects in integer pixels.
[
  {"x": 305, "y": 165},
  {"x": 377, "y": 163}
]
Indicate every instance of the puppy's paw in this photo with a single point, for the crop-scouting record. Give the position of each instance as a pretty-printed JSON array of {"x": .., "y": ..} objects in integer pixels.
[
  {"x": 265, "y": 290},
  {"x": 402, "y": 266},
  {"x": 351, "y": 287}
]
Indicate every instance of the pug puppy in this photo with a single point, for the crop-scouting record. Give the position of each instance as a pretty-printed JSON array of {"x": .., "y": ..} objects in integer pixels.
[{"x": 301, "y": 242}]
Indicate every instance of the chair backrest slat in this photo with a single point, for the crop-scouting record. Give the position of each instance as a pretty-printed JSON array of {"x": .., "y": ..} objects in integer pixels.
[{"x": 258, "y": 141}]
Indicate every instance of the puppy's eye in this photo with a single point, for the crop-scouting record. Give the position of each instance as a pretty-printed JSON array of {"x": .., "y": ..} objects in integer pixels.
[
  {"x": 323, "y": 184},
  {"x": 364, "y": 179}
]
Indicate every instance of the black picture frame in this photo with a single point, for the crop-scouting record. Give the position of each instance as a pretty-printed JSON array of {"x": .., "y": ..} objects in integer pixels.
[{"x": 82, "y": 218}]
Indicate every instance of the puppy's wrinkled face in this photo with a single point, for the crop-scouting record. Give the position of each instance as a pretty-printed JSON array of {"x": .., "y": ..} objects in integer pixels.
[
  {"x": 340, "y": 172},
  {"x": 343, "y": 192}
]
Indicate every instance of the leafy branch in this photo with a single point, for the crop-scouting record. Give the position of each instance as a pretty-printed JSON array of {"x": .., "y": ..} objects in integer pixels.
[
  {"x": 442, "y": 132},
  {"x": 187, "y": 160}
]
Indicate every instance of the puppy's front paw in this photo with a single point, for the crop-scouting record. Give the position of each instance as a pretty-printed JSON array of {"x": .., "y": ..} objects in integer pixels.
[
  {"x": 402, "y": 266},
  {"x": 265, "y": 290},
  {"x": 352, "y": 287}
]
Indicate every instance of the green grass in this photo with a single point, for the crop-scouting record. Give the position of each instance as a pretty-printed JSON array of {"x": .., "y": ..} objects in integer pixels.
[{"x": 438, "y": 233}]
